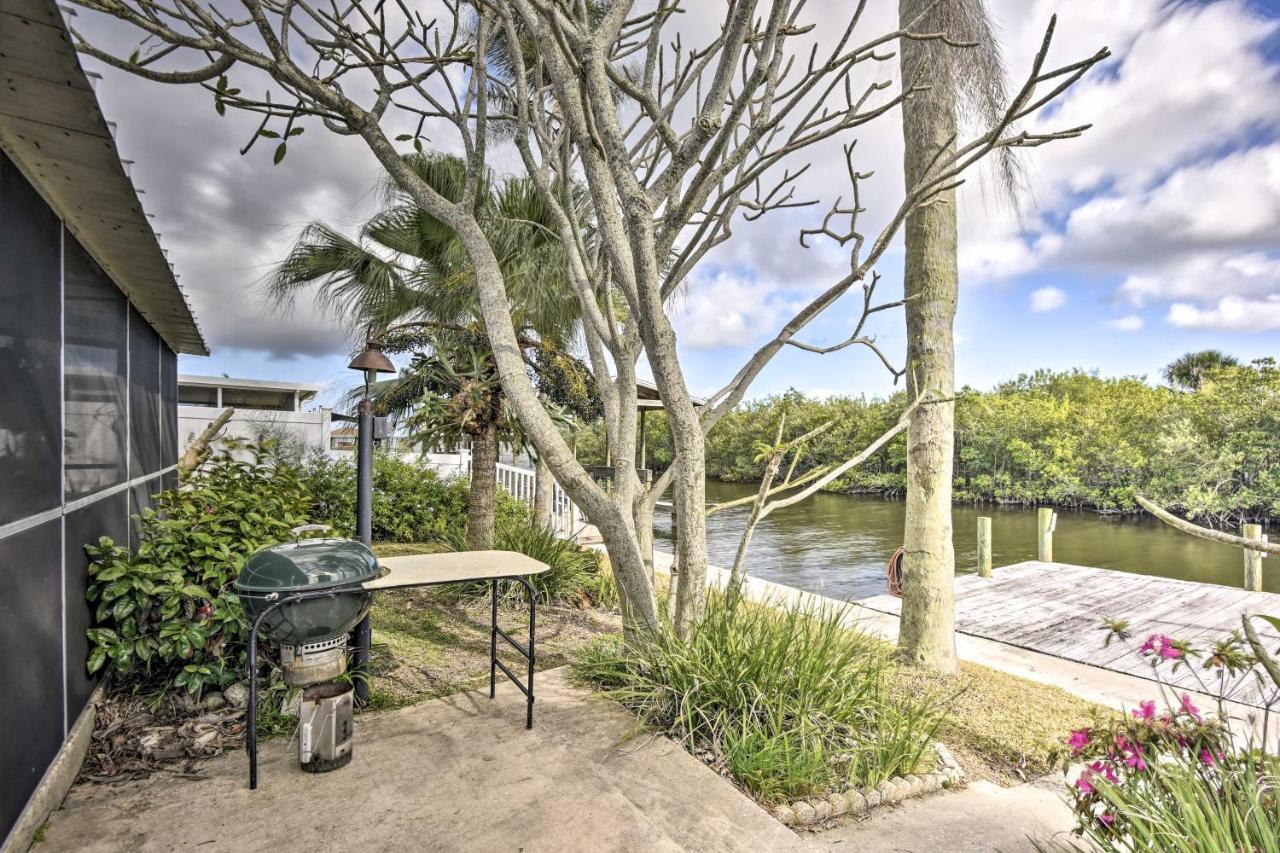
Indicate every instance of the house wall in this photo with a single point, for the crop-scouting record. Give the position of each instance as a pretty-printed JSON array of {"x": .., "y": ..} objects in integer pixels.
[
  {"x": 309, "y": 429},
  {"x": 88, "y": 432}
]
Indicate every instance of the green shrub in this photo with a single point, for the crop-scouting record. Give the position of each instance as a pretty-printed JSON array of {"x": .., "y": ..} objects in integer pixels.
[
  {"x": 1182, "y": 804},
  {"x": 411, "y": 501},
  {"x": 789, "y": 701},
  {"x": 166, "y": 613},
  {"x": 573, "y": 568}
]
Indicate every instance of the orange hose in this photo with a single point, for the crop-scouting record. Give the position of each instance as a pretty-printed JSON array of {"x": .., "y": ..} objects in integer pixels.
[{"x": 895, "y": 572}]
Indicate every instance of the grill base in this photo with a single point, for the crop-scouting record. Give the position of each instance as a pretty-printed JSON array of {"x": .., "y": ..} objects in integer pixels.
[{"x": 314, "y": 663}]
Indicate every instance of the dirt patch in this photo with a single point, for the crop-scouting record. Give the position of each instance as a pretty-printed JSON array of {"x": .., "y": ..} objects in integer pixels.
[{"x": 427, "y": 645}]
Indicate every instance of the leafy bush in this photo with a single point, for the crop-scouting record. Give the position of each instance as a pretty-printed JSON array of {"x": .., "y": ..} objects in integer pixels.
[
  {"x": 573, "y": 568},
  {"x": 789, "y": 701},
  {"x": 166, "y": 613},
  {"x": 411, "y": 502}
]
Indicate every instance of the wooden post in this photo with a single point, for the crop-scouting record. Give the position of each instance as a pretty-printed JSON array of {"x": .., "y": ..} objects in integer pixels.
[
  {"x": 1044, "y": 526},
  {"x": 984, "y": 546},
  {"x": 1252, "y": 559}
]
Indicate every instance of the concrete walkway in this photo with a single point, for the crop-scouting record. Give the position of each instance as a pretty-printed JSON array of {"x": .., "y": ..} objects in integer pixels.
[
  {"x": 455, "y": 774},
  {"x": 979, "y": 818}
]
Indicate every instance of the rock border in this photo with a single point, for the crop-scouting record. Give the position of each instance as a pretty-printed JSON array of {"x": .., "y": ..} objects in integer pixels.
[{"x": 809, "y": 811}]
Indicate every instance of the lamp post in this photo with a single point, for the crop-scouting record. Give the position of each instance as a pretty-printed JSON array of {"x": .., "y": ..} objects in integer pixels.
[{"x": 370, "y": 362}]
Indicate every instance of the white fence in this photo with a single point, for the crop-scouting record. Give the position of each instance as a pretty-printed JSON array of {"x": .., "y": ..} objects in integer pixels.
[{"x": 520, "y": 483}]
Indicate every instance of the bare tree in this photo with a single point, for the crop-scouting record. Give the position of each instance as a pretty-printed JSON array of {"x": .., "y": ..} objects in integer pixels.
[
  {"x": 664, "y": 143},
  {"x": 773, "y": 455}
]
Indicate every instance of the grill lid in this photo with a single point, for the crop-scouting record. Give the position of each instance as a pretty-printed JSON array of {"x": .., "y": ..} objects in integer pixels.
[{"x": 307, "y": 564}]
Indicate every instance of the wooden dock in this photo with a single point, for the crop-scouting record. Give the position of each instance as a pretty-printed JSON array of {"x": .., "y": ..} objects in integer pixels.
[{"x": 1058, "y": 609}]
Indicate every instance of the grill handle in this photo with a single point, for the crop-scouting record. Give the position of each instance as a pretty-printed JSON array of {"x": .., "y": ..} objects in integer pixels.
[{"x": 309, "y": 528}]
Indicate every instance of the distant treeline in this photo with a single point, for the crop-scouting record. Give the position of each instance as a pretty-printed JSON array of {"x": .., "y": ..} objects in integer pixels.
[{"x": 1072, "y": 439}]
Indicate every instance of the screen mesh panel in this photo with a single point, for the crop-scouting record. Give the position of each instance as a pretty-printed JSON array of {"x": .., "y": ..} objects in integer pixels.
[
  {"x": 168, "y": 406},
  {"x": 30, "y": 349},
  {"x": 144, "y": 397},
  {"x": 31, "y": 663},
  {"x": 107, "y": 517},
  {"x": 95, "y": 421}
]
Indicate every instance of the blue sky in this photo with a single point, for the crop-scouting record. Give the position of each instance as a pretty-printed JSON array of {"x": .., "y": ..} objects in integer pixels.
[{"x": 1155, "y": 234}]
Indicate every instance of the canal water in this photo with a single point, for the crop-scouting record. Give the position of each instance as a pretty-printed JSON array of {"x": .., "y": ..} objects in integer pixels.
[{"x": 838, "y": 545}]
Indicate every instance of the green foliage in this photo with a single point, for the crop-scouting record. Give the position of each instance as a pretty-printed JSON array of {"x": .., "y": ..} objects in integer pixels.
[
  {"x": 166, "y": 613},
  {"x": 411, "y": 502},
  {"x": 573, "y": 568},
  {"x": 1072, "y": 439},
  {"x": 1183, "y": 807},
  {"x": 789, "y": 701}
]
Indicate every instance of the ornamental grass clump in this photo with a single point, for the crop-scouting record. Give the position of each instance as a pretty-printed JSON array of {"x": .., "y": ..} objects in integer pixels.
[
  {"x": 573, "y": 569},
  {"x": 787, "y": 701}
]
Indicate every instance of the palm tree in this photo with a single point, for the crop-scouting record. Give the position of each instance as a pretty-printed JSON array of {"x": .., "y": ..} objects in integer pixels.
[
  {"x": 408, "y": 275},
  {"x": 1189, "y": 371},
  {"x": 957, "y": 80}
]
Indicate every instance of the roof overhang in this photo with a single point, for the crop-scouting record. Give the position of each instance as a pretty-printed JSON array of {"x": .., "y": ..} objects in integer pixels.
[
  {"x": 52, "y": 128},
  {"x": 303, "y": 389}
]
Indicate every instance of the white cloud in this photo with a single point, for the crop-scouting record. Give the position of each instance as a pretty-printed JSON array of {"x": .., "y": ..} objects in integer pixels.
[
  {"x": 728, "y": 310},
  {"x": 1127, "y": 323},
  {"x": 1203, "y": 278},
  {"x": 1047, "y": 299},
  {"x": 1231, "y": 313}
]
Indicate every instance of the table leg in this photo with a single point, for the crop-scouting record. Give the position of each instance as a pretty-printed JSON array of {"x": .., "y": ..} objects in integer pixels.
[
  {"x": 533, "y": 618},
  {"x": 493, "y": 641}
]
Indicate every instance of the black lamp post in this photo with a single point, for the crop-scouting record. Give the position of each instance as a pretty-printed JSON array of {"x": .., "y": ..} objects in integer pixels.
[{"x": 370, "y": 362}]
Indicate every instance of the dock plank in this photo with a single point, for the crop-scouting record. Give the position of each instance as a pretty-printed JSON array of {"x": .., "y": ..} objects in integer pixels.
[{"x": 1058, "y": 609}]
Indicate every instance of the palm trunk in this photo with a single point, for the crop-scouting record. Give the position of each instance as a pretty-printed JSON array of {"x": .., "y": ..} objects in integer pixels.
[
  {"x": 927, "y": 630},
  {"x": 481, "y": 507},
  {"x": 543, "y": 493}
]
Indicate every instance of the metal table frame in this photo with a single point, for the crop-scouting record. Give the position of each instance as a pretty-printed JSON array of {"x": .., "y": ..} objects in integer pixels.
[{"x": 528, "y": 652}]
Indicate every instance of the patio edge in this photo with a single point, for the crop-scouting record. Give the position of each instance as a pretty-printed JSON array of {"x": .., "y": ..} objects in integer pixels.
[{"x": 56, "y": 782}]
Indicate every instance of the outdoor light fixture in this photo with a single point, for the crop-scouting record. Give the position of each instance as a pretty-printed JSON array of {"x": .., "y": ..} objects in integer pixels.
[{"x": 370, "y": 362}]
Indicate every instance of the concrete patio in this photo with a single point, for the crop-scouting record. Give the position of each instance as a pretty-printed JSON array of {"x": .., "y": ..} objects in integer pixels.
[{"x": 459, "y": 773}]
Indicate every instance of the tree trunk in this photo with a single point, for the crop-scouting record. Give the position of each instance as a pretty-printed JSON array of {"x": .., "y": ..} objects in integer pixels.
[
  {"x": 927, "y": 630},
  {"x": 543, "y": 493},
  {"x": 482, "y": 505}
]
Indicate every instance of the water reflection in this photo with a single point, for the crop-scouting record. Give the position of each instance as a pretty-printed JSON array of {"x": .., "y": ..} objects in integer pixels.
[{"x": 838, "y": 544}]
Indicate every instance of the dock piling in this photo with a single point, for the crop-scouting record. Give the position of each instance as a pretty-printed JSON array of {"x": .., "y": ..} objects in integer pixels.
[
  {"x": 1252, "y": 559},
  {"x": 984, "y": 546},
  {"x": 1046, "y": 520}
]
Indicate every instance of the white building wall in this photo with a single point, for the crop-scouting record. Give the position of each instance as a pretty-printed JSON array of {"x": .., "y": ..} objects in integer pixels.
[{"x": 310, "y": 428}]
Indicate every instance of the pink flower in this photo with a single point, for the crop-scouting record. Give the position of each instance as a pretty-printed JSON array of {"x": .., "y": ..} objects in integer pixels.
[
  {"x": 1210, "y": 758},
  {"x": 1098, "y": 768},
  {"x": 1083, "y": 783},
  {"x": 1161, "y": 645},
  {"x": 1079, "y": 740},
  {"x": 1106, "y": 818},
  {"x": 1189, "y": 708},
  {"x": 1146, "y": 710}
]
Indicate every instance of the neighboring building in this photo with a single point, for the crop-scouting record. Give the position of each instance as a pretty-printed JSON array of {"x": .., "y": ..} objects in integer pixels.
[
  {"x": 91, "y": 321},
  {"x": 262, "y": 409}
]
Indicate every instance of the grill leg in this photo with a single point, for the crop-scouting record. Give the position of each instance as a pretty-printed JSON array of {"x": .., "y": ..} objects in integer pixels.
[
  {"x": 251, "y": 736},
  {"x": 493, "y": 642}
]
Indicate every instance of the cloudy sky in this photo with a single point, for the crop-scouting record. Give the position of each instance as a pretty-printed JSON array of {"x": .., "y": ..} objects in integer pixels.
[{"x": 1156, "y": 233}]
